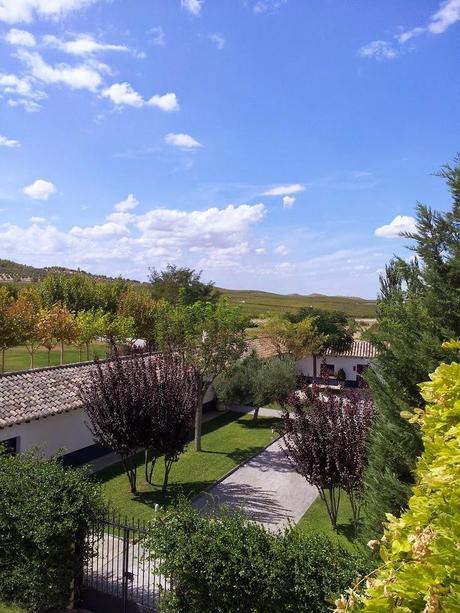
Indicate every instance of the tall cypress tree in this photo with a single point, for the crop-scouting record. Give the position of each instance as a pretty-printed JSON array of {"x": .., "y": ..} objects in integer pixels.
[{"x": 418, "y": 308}]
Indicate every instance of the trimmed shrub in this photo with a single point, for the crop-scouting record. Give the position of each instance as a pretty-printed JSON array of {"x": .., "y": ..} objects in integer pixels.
[
  {"x": 227, "y": 564},
  {"x": 45, "y": 510}
]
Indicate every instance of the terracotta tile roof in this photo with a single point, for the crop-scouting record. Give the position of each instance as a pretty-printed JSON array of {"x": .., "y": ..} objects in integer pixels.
[
  {"x": 359, "y": 349},
  {"x": 263, "y": 346},
  {"x": 42, "y": 392}
]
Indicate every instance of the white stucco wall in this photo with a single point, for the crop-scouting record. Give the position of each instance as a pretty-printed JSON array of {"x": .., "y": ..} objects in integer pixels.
[
  {"x": 64, "y": 431},
  {"x": 305, "y": 366}
]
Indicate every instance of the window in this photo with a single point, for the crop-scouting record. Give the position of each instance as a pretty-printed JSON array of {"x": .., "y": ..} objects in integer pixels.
[
  {"x": 11, "y": 445},
  {"x": 327, "y": 370}
]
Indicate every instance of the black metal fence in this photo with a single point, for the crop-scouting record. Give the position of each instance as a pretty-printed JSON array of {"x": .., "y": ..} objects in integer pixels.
[{"x": 120, "y": 567}]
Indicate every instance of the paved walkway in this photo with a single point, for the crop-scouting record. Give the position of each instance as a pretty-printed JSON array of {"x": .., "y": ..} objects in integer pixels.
[{"x": 267, "y": 489}]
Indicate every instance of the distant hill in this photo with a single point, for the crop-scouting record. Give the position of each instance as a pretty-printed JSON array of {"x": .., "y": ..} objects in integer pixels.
[
  {"x": 255, "y": 302},
  {"x": 252, "y": 302},
  {"x": 23, "y": 273}
]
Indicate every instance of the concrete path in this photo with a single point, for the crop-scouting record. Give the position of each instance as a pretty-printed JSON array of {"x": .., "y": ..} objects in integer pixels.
[{"x": 266, "y": 489}]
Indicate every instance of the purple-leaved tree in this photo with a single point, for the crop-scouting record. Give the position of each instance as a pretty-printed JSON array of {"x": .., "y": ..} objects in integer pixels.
[{"x": 326, "y": 441}]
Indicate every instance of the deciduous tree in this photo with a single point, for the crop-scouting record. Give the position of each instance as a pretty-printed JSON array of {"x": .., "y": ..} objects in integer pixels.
[
  {"x": 326, "y": 441},
  {"x": 25, "y": 313},
  {"x": 181, "y": 285},
  {"x": 8, "y": 331}
]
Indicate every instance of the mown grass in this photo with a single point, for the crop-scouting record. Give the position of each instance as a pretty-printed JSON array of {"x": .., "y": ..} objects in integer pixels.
[
  {"x": 6, "y": 608},
  {"x": 228, "y": 440},
  {"x": 316, "y": 519},
  {"x": 255, "y": 303},
  {"x": 18, "y": 358}
]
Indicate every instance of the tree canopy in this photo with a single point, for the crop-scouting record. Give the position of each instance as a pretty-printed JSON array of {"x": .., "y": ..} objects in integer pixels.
[{"x": 181, "y": 285}]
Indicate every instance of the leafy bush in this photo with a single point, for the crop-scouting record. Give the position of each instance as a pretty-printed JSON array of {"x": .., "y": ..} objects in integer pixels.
[
  {"x": 420, "y": 551},
  {"x": 226, "y": 564},
  {"x": 44, "y": 512}
]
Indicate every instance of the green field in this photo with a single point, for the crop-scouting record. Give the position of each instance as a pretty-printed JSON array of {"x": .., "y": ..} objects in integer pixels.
[
  {"x": 228, "y": 440},
  {"x": 256, "y": 303},
  {"x": 18, "y": 358}
]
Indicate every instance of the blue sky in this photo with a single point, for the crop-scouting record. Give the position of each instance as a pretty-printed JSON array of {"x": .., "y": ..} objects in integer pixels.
[{"x": 275, "y": 144}]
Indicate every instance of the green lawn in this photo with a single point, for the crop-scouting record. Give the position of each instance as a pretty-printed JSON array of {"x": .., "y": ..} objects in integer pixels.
[
  {"x": 227, "y": 441},
  {"x": 5, "y": 608},
  {"x": 316, "y": 519},
  {"x": 18, "y": 358}
]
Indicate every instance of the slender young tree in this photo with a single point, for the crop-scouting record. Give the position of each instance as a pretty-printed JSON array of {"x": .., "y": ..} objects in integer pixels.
[
  {"x": 326, "y": 441},
  {"x": 8, "y": 332},
  {"x": 25, "y": 314},
  {"x": 46, "y": 332},
  {"x": 296, "y": 340},
  {"x": 89, "y": 326},
  {"x": 210, "y": 337}
]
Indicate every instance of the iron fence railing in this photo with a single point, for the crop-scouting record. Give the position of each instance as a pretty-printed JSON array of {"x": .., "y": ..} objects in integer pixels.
[{"x": 120, "y": 566}]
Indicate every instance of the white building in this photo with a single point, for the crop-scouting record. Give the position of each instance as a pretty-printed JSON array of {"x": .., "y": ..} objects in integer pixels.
[
  {"x": 41, "y": 408},
  {"x": 353, "y": 362}
]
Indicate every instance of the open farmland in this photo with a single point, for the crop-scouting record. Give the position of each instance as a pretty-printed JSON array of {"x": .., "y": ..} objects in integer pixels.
[{"x": 256, "y": 303}]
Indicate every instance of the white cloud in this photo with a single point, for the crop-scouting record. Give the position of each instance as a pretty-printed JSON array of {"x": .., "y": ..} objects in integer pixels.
[
  {"x": 158, "y": 36},
  {"x": 129, "y": 203},
  {"x": 285, "y": 190},
  {"x": 82, "y": 44},
  {"x": 192, "y": 6},
  {"x": 281, "y": 250},
  {"x": 37, "y": 220},
  {"x": 16, "y": 11},
  {"x": 104, "y": 230},
  {"x": 400, "y": 224},
  {"x": 447, "y": 15},
  {"x": 167, "y": 102},
  {"x": 9, "y": 142},
  {"x": 28, "y": 105},
  {"x": 182, "y": 141},
  {"x": 83, "y": 76},
  {"x": 21, "y": 38},
  {"x": 122, "y": 94},
  {"x": 23, "y": 87},
  {"x": 218, "y": 40},
  {"x": 268, "y": 6},
  {"x": 379, "y": 50},
  {"x": 40, "y": 190},
  {"x": 406, "y": 36},
  {"x": 288, "y": 201}
]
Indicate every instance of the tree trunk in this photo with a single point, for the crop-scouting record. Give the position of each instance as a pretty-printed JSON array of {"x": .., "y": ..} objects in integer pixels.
[
  {"x": 149, "y": 470},
  {"x": 31, "y": 359},
  {"x": 62, "y": 352},
  {"x": 168, "y": 466},
  {"x": 314, "y": 368},
  {"x": 3, "y": 359},
  {"x": 87, "y": 352},
  {"x": 49, "y": 357},
  {"x": 199, "y": 419},
  {"x": 256, "y": 413}
]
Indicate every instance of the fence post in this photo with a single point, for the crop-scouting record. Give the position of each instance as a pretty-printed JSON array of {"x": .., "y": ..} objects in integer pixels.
[{"x": 125, "y": 567}]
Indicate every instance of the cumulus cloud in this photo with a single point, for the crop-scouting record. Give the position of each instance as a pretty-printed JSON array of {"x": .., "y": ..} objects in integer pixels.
[
  {"x": 285, "y": 190},
  {"x": 218, "y": 40},
  {"x": 22, "y": 87},
  {"x": 379, "y": 50},
  {"x": 166, "y": 102},
  {"x": 129, "y": 203},
  {"x": 192, "y": 6},
  {"x": 267, "y": 6},
  {"x": 82, "y": 44},
  {"x": 182, "y": 141},
  {"x": 40, "y": 190},
  {"x": 281, "y": 250},
  {"x": 399, "y": 225},
  {"x": 20, "y": 38},
  {"x": 136, "y": 240},
  {"x": 83, "y": 76},
  {"x": 37, "y": 220},
  {"x": 447, "y": 15},
  {"x": 288, "y": 201},
  {"x": 9, "y": 142},
  {"x": 122, "y": 94},
  {"x": 25, "y": 11}
]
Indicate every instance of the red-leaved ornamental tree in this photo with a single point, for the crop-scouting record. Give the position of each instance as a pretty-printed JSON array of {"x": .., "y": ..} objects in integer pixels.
[
  {"x": 142, "y": 402},
  {"x": 326, "y": 441}
]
